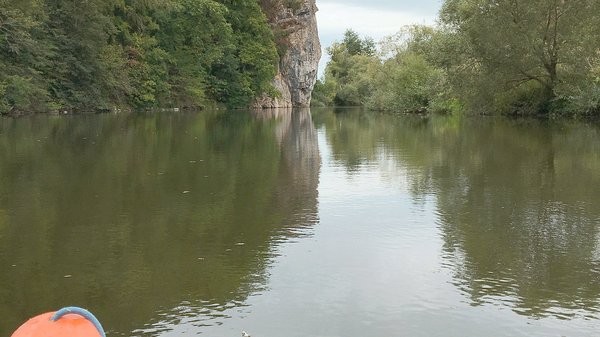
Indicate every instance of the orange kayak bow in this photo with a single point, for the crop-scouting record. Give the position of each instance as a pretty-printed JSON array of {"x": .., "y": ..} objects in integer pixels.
[{"x": 70, "y": 321}]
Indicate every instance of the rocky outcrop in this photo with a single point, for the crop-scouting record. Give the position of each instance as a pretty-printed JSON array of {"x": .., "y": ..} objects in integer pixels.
[{"x": 294, "y": 25}]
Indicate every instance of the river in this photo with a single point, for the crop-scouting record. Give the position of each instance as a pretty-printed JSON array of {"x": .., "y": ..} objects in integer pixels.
[{"x": 330, "y": 223}]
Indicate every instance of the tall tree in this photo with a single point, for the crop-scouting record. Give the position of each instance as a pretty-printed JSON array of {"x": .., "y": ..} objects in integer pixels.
[
  {"x": 248, "y": 73},
  {"x": 355, "y": 45},
  {"x": 86, "y": 55},
  {"x": 22, "y": 55},
  {"x": 350, "y": 69},
  {"x": 518, "y": 42}
]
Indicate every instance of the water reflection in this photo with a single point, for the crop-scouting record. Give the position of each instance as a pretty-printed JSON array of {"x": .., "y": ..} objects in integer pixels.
[
  {"x": 294, "y": 198},
  {"x": 517, "y": 201},
  {"x": 149, "y": 220},
  {"x": 181, "y": 224},
  {"x": 520, "y": 219}
]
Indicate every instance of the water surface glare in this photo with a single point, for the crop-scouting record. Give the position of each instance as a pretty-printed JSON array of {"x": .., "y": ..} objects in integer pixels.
[{"x": 295, "y": 224}]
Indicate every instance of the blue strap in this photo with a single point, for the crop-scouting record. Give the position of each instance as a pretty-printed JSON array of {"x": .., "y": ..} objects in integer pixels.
[{"x": 81, "y": 312}]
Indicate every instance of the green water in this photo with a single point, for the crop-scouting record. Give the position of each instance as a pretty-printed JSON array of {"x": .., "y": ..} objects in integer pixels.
[{"x": 335, "y": 223}]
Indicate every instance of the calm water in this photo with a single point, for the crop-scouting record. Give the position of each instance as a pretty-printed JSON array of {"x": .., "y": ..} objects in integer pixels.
[{"x": 336, "y": 224}]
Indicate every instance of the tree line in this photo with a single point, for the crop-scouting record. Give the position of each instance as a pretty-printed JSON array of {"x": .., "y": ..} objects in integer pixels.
[
  {"x": 106, "y": 54},
  {"x": 483, "y": 56}
]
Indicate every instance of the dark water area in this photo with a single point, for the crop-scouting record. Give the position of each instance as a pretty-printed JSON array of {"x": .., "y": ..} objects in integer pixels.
[{"x": 322, "y": 223}]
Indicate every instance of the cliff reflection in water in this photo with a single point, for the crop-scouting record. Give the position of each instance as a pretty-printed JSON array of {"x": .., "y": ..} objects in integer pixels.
[
  {"x": 155, "y": 218},
  {"x": 517, "y": 201}
]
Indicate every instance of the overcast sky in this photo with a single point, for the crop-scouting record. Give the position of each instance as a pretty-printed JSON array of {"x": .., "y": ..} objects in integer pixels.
[{"x": 374, "y": 18}]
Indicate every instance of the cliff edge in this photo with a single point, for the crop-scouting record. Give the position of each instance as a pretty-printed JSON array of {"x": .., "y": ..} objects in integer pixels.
[{"x": 294, "y": 24}]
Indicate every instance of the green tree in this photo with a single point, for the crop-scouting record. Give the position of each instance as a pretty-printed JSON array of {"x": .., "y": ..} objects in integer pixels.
[
  {"x": 526, "y": 47},
  {"x": 406, "y": 76},
  {"x": 406, "y": 83},
  {"x": 248, "y": 72},
  {"x": 412, "y": 78},
  {"x": 324, "y": 93},
  {"x": 22, "y": 85},
  {"x": 100, "y": 54},
  {"x": 350, "y": 71},
  {"x": 78, "y": 73},
  {"x": 355, "y": 45}
]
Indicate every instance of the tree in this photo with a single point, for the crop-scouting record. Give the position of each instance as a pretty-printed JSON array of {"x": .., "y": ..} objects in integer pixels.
[
  {"x": 22, "y": 55},
  {"x": 348, "y": 76},
  {"x": 534, "y": 44},
  {"x": 100, "y": 54},
  {"x": 78, "y": 34},
  {"x": 350, "y": 72},
  {"x": 248, "y": 73},
  {"x": 412, "y": 78},
  {"x": 357, "y": 46},
  {"x": 404, "y": 77},
  {"x": 406, "y": 83}
]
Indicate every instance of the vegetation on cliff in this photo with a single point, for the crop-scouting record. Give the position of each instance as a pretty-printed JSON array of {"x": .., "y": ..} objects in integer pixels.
[
  {"x": 99, "y": 54},
  {"x": 485, "y": 56}
]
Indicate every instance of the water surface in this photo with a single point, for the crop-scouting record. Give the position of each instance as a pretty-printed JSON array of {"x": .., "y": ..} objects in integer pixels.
[{"x": 339, "y": 223}]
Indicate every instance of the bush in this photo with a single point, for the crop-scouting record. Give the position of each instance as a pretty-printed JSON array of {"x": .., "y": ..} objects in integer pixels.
[
  {"x": 525, "y": 100},
  {"x": 408, "y": 83},
  {"x": 323, "y": 93},
  {"x": 21, "y": 94},
  {"x": 584, "y": 98}
]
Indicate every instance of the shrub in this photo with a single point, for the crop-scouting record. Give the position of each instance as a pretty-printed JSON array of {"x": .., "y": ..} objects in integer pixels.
[{"x": 22, "y": 94}]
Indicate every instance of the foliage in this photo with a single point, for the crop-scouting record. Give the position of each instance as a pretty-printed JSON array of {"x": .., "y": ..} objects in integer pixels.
[
  {"x": 324, "y": 93},
  {"x": 582, "y": 97},
  {"x": 101, "y": 54},
  {"x": 356, "y": 46},
  {"x": 352, "y": 62},
  {"x": 527, "y": 48},
  {"x": 411, "y": 78},
  {"x": 251, "y": 71},
  {"x": 19, "y": 52},
  {"x": 486, "y": 56},
  {"x": 402, "y": 78},
  {"x": 406, "y": 83}
]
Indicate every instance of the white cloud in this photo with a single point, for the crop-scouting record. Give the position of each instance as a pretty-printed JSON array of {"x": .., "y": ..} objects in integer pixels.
[{"x": 335, "y": 18}]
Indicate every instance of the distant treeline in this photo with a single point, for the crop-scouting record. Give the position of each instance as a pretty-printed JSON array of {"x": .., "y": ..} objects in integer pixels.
[
  {"x": 484, "y": 56},
  {"x": 105, "y": 54}
]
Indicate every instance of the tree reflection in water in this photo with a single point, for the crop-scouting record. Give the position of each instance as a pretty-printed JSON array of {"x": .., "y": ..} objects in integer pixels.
[
  {"x": 159, "y": 218},
  {"x": 516, "y": 200}
]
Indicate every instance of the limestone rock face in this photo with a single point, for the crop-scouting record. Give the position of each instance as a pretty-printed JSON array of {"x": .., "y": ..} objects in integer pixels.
[{"x": 297, "y": 36}]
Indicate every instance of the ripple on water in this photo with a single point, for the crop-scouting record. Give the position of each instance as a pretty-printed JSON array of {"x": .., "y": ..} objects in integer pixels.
[{"x": 202, "y": 314}]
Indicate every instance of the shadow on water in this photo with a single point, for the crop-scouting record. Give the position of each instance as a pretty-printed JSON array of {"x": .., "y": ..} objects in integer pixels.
[
  {"x": 517, "y": 201},
  {"x": 150, "y": 219}
]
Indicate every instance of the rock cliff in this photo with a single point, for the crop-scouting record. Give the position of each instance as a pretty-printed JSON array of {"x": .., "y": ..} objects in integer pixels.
[{"x": 294, "y": 25}]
